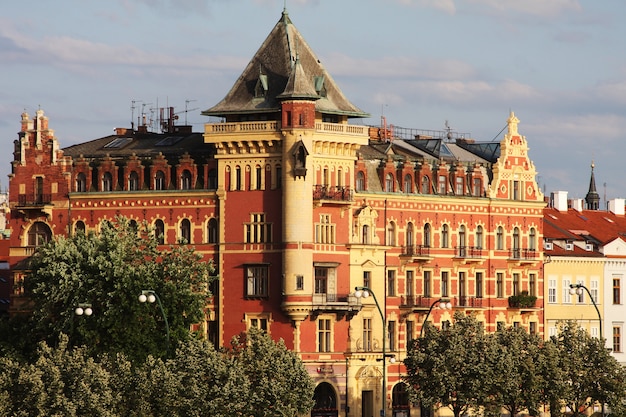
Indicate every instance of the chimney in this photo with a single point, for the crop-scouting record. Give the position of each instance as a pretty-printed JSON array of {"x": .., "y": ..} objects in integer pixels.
[
  {"x": 559, "y": 200},
  {"x": 577, "y": 204},
  {"x": 616, "y": 206}
]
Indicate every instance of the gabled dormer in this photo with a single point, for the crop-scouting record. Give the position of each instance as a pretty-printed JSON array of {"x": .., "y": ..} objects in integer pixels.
[{"x": 514, "y": 174}]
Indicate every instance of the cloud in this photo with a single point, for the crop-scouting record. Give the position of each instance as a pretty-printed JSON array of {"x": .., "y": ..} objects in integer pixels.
[{"x": 544, "y": 8}]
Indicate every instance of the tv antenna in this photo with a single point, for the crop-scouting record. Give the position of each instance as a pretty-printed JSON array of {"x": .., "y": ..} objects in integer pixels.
[{"x": 188, "y": 110}]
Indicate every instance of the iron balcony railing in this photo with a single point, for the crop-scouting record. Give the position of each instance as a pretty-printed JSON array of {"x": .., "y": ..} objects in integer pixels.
[
  {"x": 415, "y": 250},
  {"x": 333, "y": 193},
  {"x": 468, "y": 252},
  {"x": 34, "y": 200}
]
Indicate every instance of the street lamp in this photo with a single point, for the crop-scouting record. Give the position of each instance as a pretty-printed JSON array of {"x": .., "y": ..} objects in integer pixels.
[
  {"x": 83, "y": 308},
  {"x": 151, "y": 296},
  {"x": 577, "y": 289},
  {"x": 444, "y": 304},
  {"x": 366, "y": 292}
]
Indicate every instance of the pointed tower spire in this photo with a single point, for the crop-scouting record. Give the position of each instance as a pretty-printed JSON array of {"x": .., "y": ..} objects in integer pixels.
[{"x": 592, "y": 198}]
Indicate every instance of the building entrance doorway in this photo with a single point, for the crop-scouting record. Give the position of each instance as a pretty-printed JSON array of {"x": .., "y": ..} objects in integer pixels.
[
  {"x": 367, "y": 403},
  {"x": 325, "y": 401}
]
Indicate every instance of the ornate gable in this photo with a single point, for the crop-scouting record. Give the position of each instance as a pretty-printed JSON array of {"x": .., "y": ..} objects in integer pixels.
[{"x": 514, "y": 174}]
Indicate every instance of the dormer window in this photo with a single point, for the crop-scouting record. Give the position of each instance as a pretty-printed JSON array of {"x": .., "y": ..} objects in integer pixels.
[
  {"x": 320, "y": 87},
  {"x": 261, "y": 87},
  {"x": 299, "y": 161}
]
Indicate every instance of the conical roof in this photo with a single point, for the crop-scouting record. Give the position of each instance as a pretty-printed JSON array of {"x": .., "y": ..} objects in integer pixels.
[{"x": 284, "y": 67}]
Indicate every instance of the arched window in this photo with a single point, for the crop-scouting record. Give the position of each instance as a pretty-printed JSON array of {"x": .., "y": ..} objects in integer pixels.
[
  {"x": 81, "y": 183},
  {"x": 325, "y": 400},
  {"x": 478, "y": 187},
  {"x": 133, "y": 181},
  {"x": 427, "y": 236},
  {"x": 479, "y": 237},
  {"x": 516, "y": 247},
  {"x": 389, "y": 183},
  {"x": 532, "y": 239},
  {"x": 212, "y": 184},
  {"x": 107, "y": 182},
  {"x": 462, "y": 240},
  {"x": 425, "y": 185},
  {"x": 39, "y": 234},
  {"x": 185, "y": 231},
  {"x": 445, "y": 236},
  {"x": 159, "y": 181},
  {"x": 339, "y": 177},
  {"x": 258, "y": 174},
  {"x": 159, "y": 231},
  {"x": 365, "y": 238},
  {"x": 500, "y": 238},
  {"x": 79, "y": 227},
  {"x": 400, "y": 399},
  {"x": 185, "y": 180},
  {"x": 133, "y": 225},
  {"x": 409, "y": 235},
  {"x": 408, "y": 184},
  {"x": 212, "y": 231},
  {"x": 360, "y": 181},
  {"x": 391, "y": 234}
]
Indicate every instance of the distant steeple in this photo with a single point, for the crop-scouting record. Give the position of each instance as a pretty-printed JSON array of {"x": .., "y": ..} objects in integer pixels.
[{"x": 592, "y": 198}]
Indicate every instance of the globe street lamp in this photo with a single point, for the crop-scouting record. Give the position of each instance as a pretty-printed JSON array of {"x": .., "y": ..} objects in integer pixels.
[
  {"x": 365, "y": 292},
  {"x": 443, "y": 303},
  {"x": 151, "y": 296},
  {"x": 577, "y": 289},
  {"x": 83, "y": 308}
]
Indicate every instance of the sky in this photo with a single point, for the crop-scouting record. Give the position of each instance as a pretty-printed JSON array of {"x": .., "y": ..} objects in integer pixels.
[{"x": 560, "y": 65}]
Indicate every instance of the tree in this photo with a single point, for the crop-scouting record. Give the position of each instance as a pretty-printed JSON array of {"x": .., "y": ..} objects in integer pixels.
[
  {"x": 279, "y": 384},
  {"x": 109, "y": 270},
  {"x": 446, "y": 368},
  {"x": 590, "y": 375},
  {"x": 512, "y": 361}
]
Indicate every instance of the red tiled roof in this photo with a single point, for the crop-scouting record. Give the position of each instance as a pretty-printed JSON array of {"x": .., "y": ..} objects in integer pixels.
[{"x": 590, "y": 225}]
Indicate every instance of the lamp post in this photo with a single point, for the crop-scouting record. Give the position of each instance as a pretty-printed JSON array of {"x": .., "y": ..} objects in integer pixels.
[
  {"x": 151, "y": 296},
  {"x": 578, "y": 289},
  {"x": 83, "y": 308},
  {"x": 444, "y": 304},
  {"x": 366, "y": 292}
]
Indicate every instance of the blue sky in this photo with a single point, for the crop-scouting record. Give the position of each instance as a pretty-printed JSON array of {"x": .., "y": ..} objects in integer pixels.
[{"x": 560, "y": 65}]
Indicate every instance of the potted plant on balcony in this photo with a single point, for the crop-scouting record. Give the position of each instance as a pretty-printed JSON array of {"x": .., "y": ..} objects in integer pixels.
[{"x": 522, "y": 300}]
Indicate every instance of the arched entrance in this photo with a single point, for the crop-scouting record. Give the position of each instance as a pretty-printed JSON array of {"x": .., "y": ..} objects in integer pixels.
[
  {"x": 325, "y": 401},
  {"x": 400, "y": 404}
]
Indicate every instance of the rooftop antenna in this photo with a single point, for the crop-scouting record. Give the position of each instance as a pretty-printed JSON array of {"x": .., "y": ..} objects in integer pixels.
[
  {"x": 186, "y": 110},
  {"x": 448, "y": 131},
  {"x": 132, "y": 113}
]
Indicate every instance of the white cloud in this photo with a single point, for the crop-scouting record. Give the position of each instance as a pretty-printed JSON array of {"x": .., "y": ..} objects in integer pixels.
[{"x": 545, "y": 8}]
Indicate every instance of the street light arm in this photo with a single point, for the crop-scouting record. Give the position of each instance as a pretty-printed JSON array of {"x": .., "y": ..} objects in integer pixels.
[
  {"x": 594, "y": 304},
  {"x": 429, "y": 311},
  {"x": 158, "y": 299}
]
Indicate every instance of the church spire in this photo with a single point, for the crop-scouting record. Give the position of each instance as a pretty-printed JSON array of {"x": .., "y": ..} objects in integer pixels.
[{"x": 592, "y": 198}]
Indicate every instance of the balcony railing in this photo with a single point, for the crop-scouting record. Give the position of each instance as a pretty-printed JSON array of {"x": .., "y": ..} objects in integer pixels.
[
  {"x": 417, "y": 301},
  {"x": 415, "y": 250},
  {"x": 523, "y": 254},
  {"x": 24, "y": 200},
  {"x": 340, "y": 304},
  {"x": 326, "y": 192},
  {"x": 465, "y": 301},
  {"x": 472, "y": 252}
]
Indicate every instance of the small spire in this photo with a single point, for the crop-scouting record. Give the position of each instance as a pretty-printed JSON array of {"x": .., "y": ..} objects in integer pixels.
[
  {"x": 592, "y": 198},
  {"x": 512, "y": 121}
]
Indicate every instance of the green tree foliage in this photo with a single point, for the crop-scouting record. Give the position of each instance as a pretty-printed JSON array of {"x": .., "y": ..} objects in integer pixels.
[
  {"x": 590, "y": 375},
  {"x": 447, "y": 368},
  {"x": 513, "y": 360},
  {"x": 109, "y": 270},
  {"x": 279, "y": 383}
]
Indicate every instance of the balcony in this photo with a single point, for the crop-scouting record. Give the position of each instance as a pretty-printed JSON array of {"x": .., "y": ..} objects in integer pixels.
[
  {"x": 417, "y": 302},
  {"x": 36, "y": 200},
  {"x": 523, "y": 256},
  {"x": 469, "y": 302},
  {"x": 341, "y": 304},
  {"x": 523, "y": 301},
  {"x": 468, "y": 253},
  {"x": 416, "y": 252},
  {"x": 334, "y": 194}
]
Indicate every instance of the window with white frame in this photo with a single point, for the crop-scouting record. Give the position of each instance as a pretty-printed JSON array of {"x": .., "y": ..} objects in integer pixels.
[
  {"x": 258, "y": 321},
  {"x": 367, "y": 335},
  {"x": 552, "y": 291},
  {"x": 325, "y": 230},
  {"x": 324, "y": 335},
  {"x": 594, "y": 290},
  {"x": 580, "y": 294},
  {"x": 567, "y": 297},
  {"x": 258, "y": 230}
]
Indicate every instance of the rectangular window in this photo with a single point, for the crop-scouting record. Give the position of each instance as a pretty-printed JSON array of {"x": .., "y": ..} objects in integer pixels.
[
  {"x": 532, "y": 284},
  {"x": 258, "y": 230},
  {"x": 616, "y": 291},
  {"x": 427, "y": 284},
  {"x": 321, "y": 280},
  {"x": 462, "y": 284},
  {"x": 500, "y": 285},
  {"x": 516, "y": 191},
  {"x": 444, "y": 283},
  {"x": 257, "y": 280},
  {"x": 410, "y": 331},
  {"x": 442, "y": 184},
  {"x": 391, "y": 283},
  {"x": 617, "y": 339},
  {"x": 594, "y": 290},
  {"x": 258, "y": 322},
  {"x": 325, "y": 230},
  {"x": 409, "y": 283},
  {"x": 552, "y": 291},
  {"x": 516, "y": 284},
  {"x": 367, "y": 278},
  {"x": 367, "y": 335},
  {"x": 532, "y": 327},
  {"x": 479, "y": 285},
  {"x": 459, "y": 185},
  {"x": 299, "y": 282},
  {"x": 477, "y": 187},
  {"x": 323, "y": 335},
  {"x": 500, "y": 325},
  {"x": 567, "y": 297},
  {"x": 580, "y": 294},
  {"x": 259, "y": 178},
  {"x": 391, "y": 335}
]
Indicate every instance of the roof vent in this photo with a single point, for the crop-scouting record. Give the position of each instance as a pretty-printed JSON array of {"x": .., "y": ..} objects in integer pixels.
[
  {"x": 569, "y": 246},
  {"x": 547, "y": 245},
  {"x": 588, "y": 247}
]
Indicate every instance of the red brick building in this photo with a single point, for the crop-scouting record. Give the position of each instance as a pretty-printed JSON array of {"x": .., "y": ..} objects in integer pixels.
[{"x": 297, "y": 207}]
